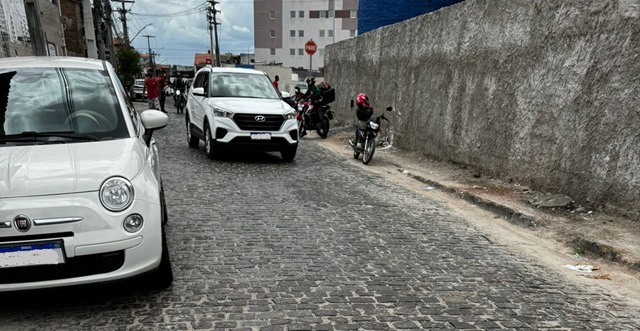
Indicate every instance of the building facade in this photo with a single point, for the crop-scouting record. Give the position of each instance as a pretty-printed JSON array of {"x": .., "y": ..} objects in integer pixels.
[
  {"x": 283, "y": 27},
  {"x": 374, "y": 14}
]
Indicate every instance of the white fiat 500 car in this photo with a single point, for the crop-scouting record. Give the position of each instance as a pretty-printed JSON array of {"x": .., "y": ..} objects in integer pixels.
[
  {"x": 81, "y": 198},
  {"x": 233, "y": 108}
]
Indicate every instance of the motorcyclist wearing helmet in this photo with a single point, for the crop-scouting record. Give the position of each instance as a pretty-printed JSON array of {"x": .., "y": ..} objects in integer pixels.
[
  {"x": 178, "y": 84},
  {"x": 313, "y": 95},
  {"x": 363, "y": 111}
]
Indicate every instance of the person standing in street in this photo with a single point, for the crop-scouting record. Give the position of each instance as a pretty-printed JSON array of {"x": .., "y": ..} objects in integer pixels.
[
  {"x": 151, "y": 87},
  {"x": 162, "y": 82},
  {"x": 275, "y": 84}
]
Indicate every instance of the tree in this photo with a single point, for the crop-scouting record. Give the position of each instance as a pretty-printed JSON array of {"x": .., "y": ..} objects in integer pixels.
[{"x": 128, "y": 65}]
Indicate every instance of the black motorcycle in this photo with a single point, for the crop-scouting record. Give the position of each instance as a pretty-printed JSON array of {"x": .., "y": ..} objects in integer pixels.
[
  {"x": 365, "y": 142},
  {"x": 316, "y": 115}
]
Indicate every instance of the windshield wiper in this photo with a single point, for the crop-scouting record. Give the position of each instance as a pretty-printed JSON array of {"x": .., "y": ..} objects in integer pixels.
[{"x": 37, "y": 136}]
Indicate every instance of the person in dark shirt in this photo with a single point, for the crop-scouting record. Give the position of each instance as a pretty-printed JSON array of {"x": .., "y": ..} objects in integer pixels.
[{"x": 162, "y": 82}]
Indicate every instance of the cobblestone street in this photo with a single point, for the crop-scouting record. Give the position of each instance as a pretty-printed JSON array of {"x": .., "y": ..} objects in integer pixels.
[{"x": 316, "y": 244}]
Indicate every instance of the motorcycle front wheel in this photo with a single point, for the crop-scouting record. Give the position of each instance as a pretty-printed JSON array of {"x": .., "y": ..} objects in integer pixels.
[{"x": 369, "y": 149}]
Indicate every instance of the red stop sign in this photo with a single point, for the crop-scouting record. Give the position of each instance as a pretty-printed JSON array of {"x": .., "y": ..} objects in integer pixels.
[{"x": 310, "y": 47}]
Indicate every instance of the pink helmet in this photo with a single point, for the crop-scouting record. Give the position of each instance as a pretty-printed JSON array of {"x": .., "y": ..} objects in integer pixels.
[{"x": 362, "y": 101}]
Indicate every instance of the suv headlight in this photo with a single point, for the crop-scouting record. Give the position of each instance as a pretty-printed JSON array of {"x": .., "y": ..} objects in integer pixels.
[
  {"x": 116, "y": 194},
  {"x": 290, "y": 115},
  {"x": 222, "y": 113}
]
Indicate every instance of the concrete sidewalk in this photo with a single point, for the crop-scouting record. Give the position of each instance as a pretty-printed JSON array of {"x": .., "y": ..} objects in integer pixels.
[{"x": 584, "y": 229}]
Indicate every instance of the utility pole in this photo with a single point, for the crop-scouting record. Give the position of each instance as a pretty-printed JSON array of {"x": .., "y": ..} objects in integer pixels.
[
  {"x": 153, "y": 66},
  {"x": 99, "y": 17},
  {"x": 108, "y": 34},
  {"x": 38, "y": 41},
  {"x": 211, "y": 15},
  {"x": 123, "y": 16},
  {"x": 153, "y": 61}
]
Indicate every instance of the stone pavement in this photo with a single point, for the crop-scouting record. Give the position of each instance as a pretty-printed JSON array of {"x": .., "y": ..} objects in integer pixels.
[
  {"x": 317, "y": 244},
  {"x": 587, "y": 230}
]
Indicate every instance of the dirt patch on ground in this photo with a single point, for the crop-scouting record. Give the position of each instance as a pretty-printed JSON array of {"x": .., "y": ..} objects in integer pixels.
[{"x": 554, "y": 237}]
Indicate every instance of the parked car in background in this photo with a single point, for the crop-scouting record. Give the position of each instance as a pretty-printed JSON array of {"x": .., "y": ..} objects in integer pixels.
[
  {"x": 81, "y": 197},
  {"x": 239, "y": 109},
  {"x": 136, "y": 90}
]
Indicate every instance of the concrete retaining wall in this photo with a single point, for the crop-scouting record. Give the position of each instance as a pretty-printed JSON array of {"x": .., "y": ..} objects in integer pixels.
[{"x": 543, "y": 92}]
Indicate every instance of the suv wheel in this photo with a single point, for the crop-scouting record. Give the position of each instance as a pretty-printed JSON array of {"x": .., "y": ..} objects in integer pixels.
[
  {"x": 289, "y": 154},
  {"x": 191, "y": 139},
  {"x": 209, "y": 142}
]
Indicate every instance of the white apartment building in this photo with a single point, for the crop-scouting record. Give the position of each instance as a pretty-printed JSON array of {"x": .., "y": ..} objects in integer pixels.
[
  {"x": 13, "y": 21},
  {"x": 283, "y": 27}
]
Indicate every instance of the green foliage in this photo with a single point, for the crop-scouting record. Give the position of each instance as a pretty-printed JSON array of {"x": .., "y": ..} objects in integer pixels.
[{"x": 128, "y": 65}]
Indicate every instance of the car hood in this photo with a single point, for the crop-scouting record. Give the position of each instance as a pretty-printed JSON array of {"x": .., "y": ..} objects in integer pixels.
[
  {"x": 251, "y": 105},
  {"x": 67, "y": 168}
]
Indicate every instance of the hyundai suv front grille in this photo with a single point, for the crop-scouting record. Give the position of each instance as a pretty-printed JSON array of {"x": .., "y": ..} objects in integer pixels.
[{"x": 258, "y": 122}]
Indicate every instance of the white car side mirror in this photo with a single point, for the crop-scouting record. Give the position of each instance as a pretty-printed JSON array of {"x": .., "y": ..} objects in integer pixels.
[
  {"x": 199, "y": 91},
  {"x": 154, "y": 119},
  {"x": 285, "y": 95}
]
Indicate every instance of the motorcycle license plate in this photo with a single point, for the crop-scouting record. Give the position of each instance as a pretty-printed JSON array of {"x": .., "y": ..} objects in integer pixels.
[
  {"x": 260, "y": 136},
  {"x": 28, "y": 254}
]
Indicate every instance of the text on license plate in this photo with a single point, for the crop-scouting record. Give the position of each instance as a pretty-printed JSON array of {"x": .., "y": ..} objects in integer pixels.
[
  {"x": 28, "y": 254},
  {"x": 260, "y": 136}
]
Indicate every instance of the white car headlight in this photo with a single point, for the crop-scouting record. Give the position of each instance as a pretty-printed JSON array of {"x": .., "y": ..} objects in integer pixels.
[
  {"x": 222, "y": 113},
  {"x": 116, "y": 194},
  {"x": 374, "y": 125},
  {"x": 290, "y": 115}
]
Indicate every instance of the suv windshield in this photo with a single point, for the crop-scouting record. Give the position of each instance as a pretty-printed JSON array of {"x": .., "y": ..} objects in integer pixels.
[
  {"x": 59, "y": 103},
  {"x": 241, "y": 85}
]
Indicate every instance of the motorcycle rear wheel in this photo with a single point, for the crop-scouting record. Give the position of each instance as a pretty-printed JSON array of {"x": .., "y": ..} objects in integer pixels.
[{"x": 369, "y": 149}]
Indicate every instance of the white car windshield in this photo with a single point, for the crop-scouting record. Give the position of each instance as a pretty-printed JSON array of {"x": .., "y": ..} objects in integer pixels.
[
  {"x": 241, "y": 85},
  {"x": 59, "y": 102}
]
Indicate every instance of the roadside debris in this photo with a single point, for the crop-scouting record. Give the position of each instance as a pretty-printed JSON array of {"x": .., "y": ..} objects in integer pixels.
[
  {"x": 552, "y": 201},
  {"x": 582, "y": 268},
  {"x": 429, "y": 187},
  {"x": 603, "y": 276}
]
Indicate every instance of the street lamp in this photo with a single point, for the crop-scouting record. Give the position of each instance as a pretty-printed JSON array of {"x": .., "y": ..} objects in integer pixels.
[{"x": 134, "y": 37}]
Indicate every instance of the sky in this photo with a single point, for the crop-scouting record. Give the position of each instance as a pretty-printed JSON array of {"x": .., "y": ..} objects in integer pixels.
[{"x": 181, "y": 31}]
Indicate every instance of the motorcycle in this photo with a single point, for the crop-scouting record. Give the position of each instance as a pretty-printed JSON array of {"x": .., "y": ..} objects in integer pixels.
[
  {"x": 180, "y": 99},
  {"x": 316, "y": 115},
  {"x": 365, "y": 142}
]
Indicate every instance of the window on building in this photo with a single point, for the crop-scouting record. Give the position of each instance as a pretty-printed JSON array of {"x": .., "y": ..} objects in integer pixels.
[
  {"x": 272, "y": 15},
  {"x": 300, "y": 51},
  {"x": 301, "y": 33},
  {"x": 272, "y": 33},
  {"x": 330, "y": 33},
  {"x": 292, "y": 51},
  {"x": 353, "y": 13},
  {"x": 273, "y": 51},
  {"x": 292, "y": 14},
  {"x": 352, "y": 33},
  {"x": 292, "y": 33},
  {"x": 323, "y": 14},
  {"x": 321, "y": 33},
  {"x": 332, "y": 13},
  {"x": 321, "y": 51},
  {"x": 301, "y": 14}
]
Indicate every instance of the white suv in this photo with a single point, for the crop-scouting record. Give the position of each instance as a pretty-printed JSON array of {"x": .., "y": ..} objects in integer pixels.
[
  {"x": 232, "y": 108},
  {"x": 81, "y": 198}
]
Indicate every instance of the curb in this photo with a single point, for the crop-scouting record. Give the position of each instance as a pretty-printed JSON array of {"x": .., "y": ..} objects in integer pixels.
[{"x": 596, "y": 249}]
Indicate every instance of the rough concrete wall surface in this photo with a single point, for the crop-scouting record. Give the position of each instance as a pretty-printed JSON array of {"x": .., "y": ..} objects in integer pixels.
[{"x": 542, "y": 92}]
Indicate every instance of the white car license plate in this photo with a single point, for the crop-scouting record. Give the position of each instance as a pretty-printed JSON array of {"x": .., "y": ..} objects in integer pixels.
[
  {"x": 260, "y": 136},
  {"x": 28, "y": 254}
]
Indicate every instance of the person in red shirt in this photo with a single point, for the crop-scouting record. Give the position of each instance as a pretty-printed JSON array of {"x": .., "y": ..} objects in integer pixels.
[
  {"x": 152, "y": 89},
  {"x": 275, "y": 84}
]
